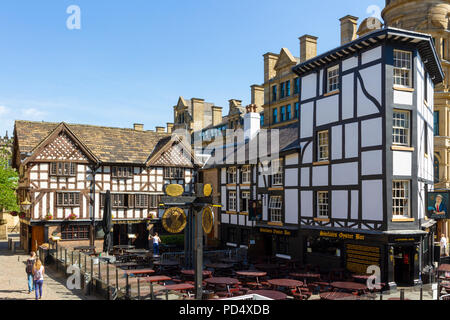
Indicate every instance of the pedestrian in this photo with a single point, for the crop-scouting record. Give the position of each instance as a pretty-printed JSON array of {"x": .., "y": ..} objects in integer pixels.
[
  {"x": 38, "y": 274},
  {"x": 443, "y": 245},
  {"x": 156, "y": 241},
  {"x": 29, "y": 271}
]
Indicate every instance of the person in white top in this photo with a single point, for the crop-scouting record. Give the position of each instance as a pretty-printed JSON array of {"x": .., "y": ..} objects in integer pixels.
[
  {"x": 443, "y": 245},
  {"x": 38, "y": 275},
  {"x": 156, "y": 241}
]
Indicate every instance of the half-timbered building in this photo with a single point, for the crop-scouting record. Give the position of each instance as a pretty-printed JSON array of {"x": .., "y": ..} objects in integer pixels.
[
  {"x": 66, "y": 169},
  {"x": 366, "y": 162}
]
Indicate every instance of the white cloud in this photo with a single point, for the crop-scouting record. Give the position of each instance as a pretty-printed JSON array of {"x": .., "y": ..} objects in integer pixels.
[
  {"x": 3, "y": 110},
  {"x": 33, "y": 113}
]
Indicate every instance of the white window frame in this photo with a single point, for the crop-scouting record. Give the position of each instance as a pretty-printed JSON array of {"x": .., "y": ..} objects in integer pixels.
[
  {"x": 401, "y": 195},
  {"x": 402, "y": 68},
  {"x": 333, "y": 79},
  {"x": 276, "y": 209},
  {"x": 323, "y": 208},
  {"x": 246, "y": 174},
  {"x": 232, "y": 201},
  {"x": 322, "y": 146},
  {"x": 401, "y": 132},
  {"x": 277, "y": 178},
  {"x": 232, "y": 175},
  {"x": 245, "y": 196}
]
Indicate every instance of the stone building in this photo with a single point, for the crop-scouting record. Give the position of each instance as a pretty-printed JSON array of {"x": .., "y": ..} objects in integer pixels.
[{"x": 431, "y": 17}]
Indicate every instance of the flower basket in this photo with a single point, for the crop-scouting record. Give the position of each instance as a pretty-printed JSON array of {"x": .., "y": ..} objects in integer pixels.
[
  {"x": 73, "y": 216},
  {"x": 151, "y": 216},
  {"x": 14, "y": 213},
  {"x": 22, "y": 215},
  {"x": 48, "y": 217}
]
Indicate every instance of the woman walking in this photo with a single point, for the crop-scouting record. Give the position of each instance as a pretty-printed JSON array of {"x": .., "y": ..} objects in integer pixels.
[
  {"x": 29, "y": 271},
  {"x": 38, "y": 274}
]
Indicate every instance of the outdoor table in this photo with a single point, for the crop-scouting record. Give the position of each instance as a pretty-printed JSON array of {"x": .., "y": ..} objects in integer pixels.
[
  {"x": 179, "y": 287},
  {"x": 289, "y": 283},
  {"x": 361, "y": 277},
  {"x": 219, "y": 265},
  {"x": 338, "y": 296},
  {"x": 127, "y": 265},
  {"x": 252, "y": 274},
  {"x": 205, "y": 273},
  {"x": 157, "y": 279},
  {"x": 230, "y": 260},
  {"x": 86, "y": 249},
  {"x": 222, "y": 281},
  {"x": 121, "y": 248},
  {"x": 164, "y": 264},
  {"x": 137, "y": 251},
  {"x": 272, "y": 294},
  {"x": 269, "y": 268},
  {"x": 305, "y": 276},
  {"x": 351, "y": 286},
  {"x": 139, "y": 271}
]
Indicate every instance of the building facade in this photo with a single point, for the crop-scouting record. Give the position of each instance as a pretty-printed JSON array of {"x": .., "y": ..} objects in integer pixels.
[
  {"x": 366, "y": 125},
  {"x": 65, "y": 171},
  {"x": 431, "y": 17}
]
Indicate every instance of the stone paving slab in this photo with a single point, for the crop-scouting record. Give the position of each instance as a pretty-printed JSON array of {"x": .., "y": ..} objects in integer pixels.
[{"x": 14, "y": 285}]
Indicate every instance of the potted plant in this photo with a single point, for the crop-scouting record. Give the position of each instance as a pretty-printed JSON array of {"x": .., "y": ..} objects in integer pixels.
[
  {"x": 72, "y": 216},
  {"x": 48, "y": 217},
  {"x": 14, "y": 213},
  {"x": 151, "y": 216},
  {"x": 22, "y": 215}
]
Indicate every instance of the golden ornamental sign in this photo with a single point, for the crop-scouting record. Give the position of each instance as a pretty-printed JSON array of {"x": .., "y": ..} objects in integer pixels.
[
  {"x": 207, "y": 220},
  {"x": 174, "y": 220},
  {"x": 174, "y": 190},
  {"x": 207, "y": 190}
]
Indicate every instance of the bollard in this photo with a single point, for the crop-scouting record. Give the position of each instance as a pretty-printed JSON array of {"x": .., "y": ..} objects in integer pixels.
[
  {"x": 167, "y": 294},
  {"x": 99, "y": 272},
  {"x": 139, "y": 288},
  {"x": 72, "y": 259},
  {"x": 56, "y": 257},
  {"x": 65, "y": 259},
  {"x": 381, "y": 295},
  {"x": 79, "y": 260},
  {"x": 152, "y": 296},
  {"x": 85, "y": 266},
  {"x": 402, "y": 294},
  {"x": 421, "y": 292},
  {"x": 107, "y": 280},
  {"x": 92, "y": 276},
  {"x": 127, "y": 289},
  {"x": 117, "y": 280}
]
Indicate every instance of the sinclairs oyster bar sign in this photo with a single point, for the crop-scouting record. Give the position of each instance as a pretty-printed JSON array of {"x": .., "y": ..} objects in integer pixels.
[{"x": 437, "y": 203}]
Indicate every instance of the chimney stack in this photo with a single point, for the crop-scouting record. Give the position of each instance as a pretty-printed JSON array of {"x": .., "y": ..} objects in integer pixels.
[
  {"x": 270, "y": 60},
  {"x": 138, "y": 127},
  {"x": 257, "y": 95},
  {"x": 160, "y": 129},
  {"x": 216, "y": 115},
  {"x": 348, "y": 28},
  {"x": 252, "y": 122},
  {"x": 308, "y": 47},
  {"x": 169, "y": 127}
]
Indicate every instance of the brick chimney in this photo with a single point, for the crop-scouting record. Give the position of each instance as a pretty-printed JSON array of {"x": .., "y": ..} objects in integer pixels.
[
  {"x": 308, "y": 47},
  {"x": 138, "y": 127},
  {"x": 160, "y": 129},
  {"x": 348, "y": 29}
]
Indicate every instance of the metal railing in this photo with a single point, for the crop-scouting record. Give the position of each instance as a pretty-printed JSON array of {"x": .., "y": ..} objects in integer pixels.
[{"x": 212, "y": 255}]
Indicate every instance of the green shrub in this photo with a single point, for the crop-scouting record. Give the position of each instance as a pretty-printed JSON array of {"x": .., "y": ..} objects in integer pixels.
[{"x": 176, "y": 239}]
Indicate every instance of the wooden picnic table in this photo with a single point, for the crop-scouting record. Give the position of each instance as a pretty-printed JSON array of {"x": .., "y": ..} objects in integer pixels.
[
  {"x": 338, "y": 296},
  {"x": 347, "y": 285},
  {"x": 222, "y": 281},
  {"x": 179, "y": 287},
  {"x": 272, "y": 294},
  {"x": 289, "y": 283}
]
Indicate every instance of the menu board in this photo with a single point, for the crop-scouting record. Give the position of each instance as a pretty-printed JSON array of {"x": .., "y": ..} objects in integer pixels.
[{"x": 359, "y": 258}]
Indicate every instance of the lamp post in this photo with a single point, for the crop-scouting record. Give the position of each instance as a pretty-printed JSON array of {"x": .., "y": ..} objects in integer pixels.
[{"x": 26, "y": 205}]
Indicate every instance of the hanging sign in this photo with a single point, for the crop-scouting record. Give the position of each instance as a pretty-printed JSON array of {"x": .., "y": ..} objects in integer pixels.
[{"x": 437, "y": 203}]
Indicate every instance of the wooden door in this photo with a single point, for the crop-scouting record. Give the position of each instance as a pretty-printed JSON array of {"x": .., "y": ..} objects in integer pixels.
[{"x": 37, "y": 237}]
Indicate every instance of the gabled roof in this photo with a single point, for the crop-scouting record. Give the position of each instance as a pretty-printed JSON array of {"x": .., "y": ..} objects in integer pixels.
[
  {"x": 424, "y": 43},
  {"x": 285, "y": 59},
  {"x": 163, "y": 153},
  {"x": 108, "y": 145}
]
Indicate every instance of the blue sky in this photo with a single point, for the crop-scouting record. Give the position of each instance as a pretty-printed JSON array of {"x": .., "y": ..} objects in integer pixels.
[{"x": 131, "y": 60}]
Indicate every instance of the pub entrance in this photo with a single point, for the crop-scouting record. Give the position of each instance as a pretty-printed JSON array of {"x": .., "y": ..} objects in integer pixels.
[{"x": 404, "y": 265}]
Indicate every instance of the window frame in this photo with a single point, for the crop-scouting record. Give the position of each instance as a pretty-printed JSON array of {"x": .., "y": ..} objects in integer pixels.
[
  {"x": 232, "y": 201},
  {"x": 277, "y": 179},
  {"x": 245, "y": 200},
  {"x": 75, "y": 231},
  {"x": 283, "y": 113},
  {"x": 333, "y": 79},
  {"x": 296, "y": 110},
  {"x": 321, "y": 146},
  {"x": 407, "y": 130},
  {"x": 398, "y": 198},
  {"x": 275, "y": 115},
  {"x": 274, "y": 93},
  {"x": 403, "y": 69},
  {"x": 288, "y": 112},
  {"x": 66, "y": 201},
  {"x": 122, "y": 172},
  {"x": 321, "y": 205},
  {"x": 59, "y": 169},
  {"x": 174, "y": 173},
  {"x": 246, "y": 174},
  {"x": 232, "y": 175},
  {"x": 275, "y": 208}
]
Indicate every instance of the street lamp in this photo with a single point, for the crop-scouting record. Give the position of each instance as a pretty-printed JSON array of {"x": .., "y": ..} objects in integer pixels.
[{"x": 26, "y": 205}]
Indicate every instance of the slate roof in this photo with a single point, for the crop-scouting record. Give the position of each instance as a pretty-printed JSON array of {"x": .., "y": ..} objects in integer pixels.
[
  {"x": 288, "y": 140},
  {"x": 109, "y": 145}
]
